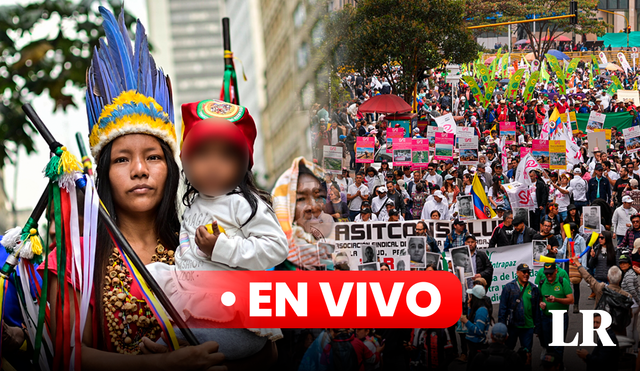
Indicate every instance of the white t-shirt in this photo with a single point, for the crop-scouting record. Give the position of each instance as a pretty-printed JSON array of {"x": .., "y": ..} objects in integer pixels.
[
  {"x": 435, "y": 179},
  {"x": 613, "y": 175},
  {"x": 356, "y": 202},
  {"x": 377, "y": 204},
  {"x": 579, "y": 187},
  {"x": 343, "y": 183},
  {"x": 563, "y": 200},
  {"x": 373, "y": 218}
]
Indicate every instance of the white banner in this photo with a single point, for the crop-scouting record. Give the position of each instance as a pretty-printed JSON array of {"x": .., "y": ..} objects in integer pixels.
[
  {"x": 447, "y": 123},
  {"x": 505, "y": 261},
  {"x": 519, "y": 195},
  {"x": 603, "y": 58},
  {"x": 527, "y": 163}
]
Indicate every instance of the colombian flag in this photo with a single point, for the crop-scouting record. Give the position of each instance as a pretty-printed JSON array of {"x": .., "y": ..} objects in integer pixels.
[{"x": 480, "y": 202}]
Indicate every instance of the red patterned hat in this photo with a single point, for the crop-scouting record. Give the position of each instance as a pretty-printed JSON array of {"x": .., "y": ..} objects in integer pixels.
[{"x": 213, "y": 118}]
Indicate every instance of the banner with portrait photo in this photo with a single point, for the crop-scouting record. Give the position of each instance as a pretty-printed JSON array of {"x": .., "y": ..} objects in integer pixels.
[
  {"x": 557, "y": 155},
  {"x": 444, "y": 146},
  {"x": 402, "y": 151},
  {"x": 539, "y": 249},
  {"x": 391, "y": 134},
  {"x": 365, "y": 147},
  {"x": 468, "y": 150},
  {"x": 591, "y": 219},
  {"x": 508, "y": 132},
  {"x": 540, "y": 151},
  {"x": 466, "y": 208},
  {"x": 332, "y": 159},
  {"x": 523, "y": 213},
  {"x": 434, "y": 259},
  {"x": 632, "y": 139},
  {"x": 461, "y": 258},
  {"x": 596, "y": 121}
]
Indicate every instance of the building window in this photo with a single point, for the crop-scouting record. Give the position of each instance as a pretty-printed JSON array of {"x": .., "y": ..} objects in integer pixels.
[
  {"x": 299, "y": 15},
  {"x": 303, "y": 55},
  {"x": 317, "y": 34}
]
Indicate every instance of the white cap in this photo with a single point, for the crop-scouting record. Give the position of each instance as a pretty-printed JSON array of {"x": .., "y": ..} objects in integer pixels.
[
  {"x": 438, "y": 194},
  {"x": 577, "y": 171},
  {"x": 382, "y": 189},
  {"x": 627, "y": 199},
  {"x": 370, "y": 127}
]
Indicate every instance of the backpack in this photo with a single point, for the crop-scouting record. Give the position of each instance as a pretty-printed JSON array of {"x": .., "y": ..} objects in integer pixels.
[
  {"x": 342, "y": 356},
  {"x": 616, "y": 304},
  {"x": 496, "y": 360}
]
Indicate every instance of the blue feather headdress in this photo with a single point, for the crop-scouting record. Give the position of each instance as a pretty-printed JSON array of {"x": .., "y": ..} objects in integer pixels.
[{"x": 126, "y": 92}]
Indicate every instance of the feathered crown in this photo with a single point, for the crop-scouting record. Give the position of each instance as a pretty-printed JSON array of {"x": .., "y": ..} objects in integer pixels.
[{"x": 126, "y": 92}]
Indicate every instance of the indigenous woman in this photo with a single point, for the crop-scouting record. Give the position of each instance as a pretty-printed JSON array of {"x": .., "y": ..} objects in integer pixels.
[{"x": 132, "y": 137}]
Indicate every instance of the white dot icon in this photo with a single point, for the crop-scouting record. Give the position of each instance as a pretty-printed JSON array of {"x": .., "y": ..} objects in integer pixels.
[{"x": 228, "y": 299}]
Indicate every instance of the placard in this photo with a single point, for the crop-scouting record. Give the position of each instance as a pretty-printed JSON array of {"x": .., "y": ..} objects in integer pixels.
[
  {"x": 444, "y": 146},
  {"x": 540, "y": 151},
  {"x": 431, "y": 135},
  {"x": 524, "y": 151},
  {"x": 447, "y": 123},
  {"x": 420, "y": 153},
  {"x": 404, "y": 124},
  {"x": 466, "y": 132},
  {"x": 557, "y": 155},
  {"x": 332, "y": 159},
  {"x": 393, "y": 133},
  {"x": 402, "y": 151},
  {"x": 629, "y": 94},
  {"x": 365, "y": 147},
  {"x": 468, "y": 150},
  {"x": 465, "y": 208},
  {"x": 591, "y": 219},
  {"x": 632, "y": 139},
  {"x": 596, "y": 121},
  {"x": 607, "y": 134},
  {"x": 508, "y": 132},
  {"x": 597, "y": 140}
]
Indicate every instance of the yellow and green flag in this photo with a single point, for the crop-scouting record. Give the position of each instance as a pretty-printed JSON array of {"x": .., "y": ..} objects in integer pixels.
[
  {"x": 514, "y": 84},
  {"x": 531, "y": 85}
]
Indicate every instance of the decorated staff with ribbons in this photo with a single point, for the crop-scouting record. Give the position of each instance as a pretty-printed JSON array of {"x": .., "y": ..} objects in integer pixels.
[{"x": 101, "y": 310}]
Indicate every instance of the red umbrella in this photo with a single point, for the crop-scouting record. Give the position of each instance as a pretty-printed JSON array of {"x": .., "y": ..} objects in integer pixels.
[{"x": 385, "y": 103}]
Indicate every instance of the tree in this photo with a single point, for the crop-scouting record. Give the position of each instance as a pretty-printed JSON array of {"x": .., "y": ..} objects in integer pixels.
[
  {"x": 44, "y": 65},
  {"x": 417, "y": 35},
  {"x": 480, "y": 11}
]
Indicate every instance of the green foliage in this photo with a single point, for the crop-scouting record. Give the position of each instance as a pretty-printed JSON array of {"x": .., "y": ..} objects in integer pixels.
[
  {"x": 415, "y": 34},
  {"x": 33, "y": 66},
  {"x": 513, "y": 10}
]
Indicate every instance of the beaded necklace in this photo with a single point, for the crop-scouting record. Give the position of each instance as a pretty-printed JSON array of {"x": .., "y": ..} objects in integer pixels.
[{"x": 129, "y": 318}]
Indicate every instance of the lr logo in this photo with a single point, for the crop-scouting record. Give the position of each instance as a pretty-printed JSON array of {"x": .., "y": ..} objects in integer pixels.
[{"x": 588, "y": 329}]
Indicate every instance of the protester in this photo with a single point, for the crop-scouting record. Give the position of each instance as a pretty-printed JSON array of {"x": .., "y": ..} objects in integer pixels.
[
  {"x": 497, "y": 356},
  {"x": 631, "y": 285},
  {"x": 477, "y": 322},
  {"x": 501, "y": 235},
  {"x": 556, "y": 295},
  {"x": 479, "y": 259},
  {"x": 357, "y": 193},
  {"x": 579, "y": 245},
  {"x": 622, "y": 218},
  {"x": 602, "y": 257},
  {"x": 521, "y": 233},
  {"x": 457, "y": 237},
  {"x": 520, "y": 310},
  {"x": 601, "y": 357}
]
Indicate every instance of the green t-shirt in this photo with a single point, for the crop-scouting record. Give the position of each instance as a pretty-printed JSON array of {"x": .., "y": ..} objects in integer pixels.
[
  {"x": 557, "y": 290},
  {"x": 526, "y": 302},
  {"x": 540, "y": 275}
]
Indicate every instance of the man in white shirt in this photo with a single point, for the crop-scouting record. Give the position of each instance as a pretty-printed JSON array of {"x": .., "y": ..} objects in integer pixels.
[
  {"x": 609, "y": 173},
  {"x": 378, "y": 202},
  {"x": 579, "y": 187},
  {"x": 433, "y": 177},
  {"x": 342, "y": 181},
  {"x": 357, "y": 193},
  {"x": 334, "y": 133},
  {"x": 621, "y": 221},
  {"x": 439, "y": 203},
  {"x": 366, "y": 216}
]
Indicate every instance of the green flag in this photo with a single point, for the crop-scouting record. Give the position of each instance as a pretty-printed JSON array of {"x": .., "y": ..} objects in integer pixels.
[
  {"x": 514, "y": 84},
  {"x": 488, "y": 92},
  {"x": 484, "y": 74},
  {"x": 474, "y": 89},
  {"x": 571, "y": 68},
  {"x": 531, "y": 84}
]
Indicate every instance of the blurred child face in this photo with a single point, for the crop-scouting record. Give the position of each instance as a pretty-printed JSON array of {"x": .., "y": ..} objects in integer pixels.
[{"x": 214, "y": 167}]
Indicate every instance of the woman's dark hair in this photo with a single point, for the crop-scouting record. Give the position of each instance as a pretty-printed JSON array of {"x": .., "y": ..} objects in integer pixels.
[
  {"x": 611, "y": 251},
  {"x": 371, "y": 168},
  {"x": 477, "y": 304},
  {"x": 419, "y": 187},
  {"x": 436, "y": 211},
  {"x": 496, "y": 186},
  {"x": 385, "y": 265},
  {"x": 167, "y": 224}
]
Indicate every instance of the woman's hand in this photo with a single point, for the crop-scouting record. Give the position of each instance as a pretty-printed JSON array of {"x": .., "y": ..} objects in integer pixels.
[
  {"x": 592, "y": 253},
  {"x": 201, "y": 357}
]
